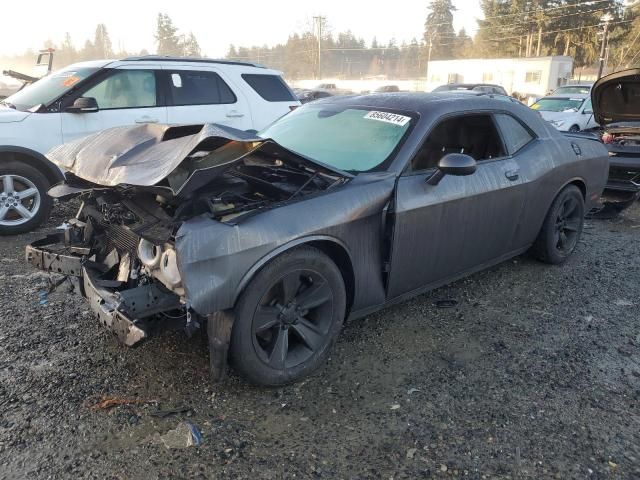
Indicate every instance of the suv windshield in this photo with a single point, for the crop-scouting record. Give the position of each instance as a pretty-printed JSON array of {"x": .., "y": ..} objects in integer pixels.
[
  {"x": 49, "y": 88},
  {"x": 558, "y": 104},
  {"x": 348, "y": 138}
]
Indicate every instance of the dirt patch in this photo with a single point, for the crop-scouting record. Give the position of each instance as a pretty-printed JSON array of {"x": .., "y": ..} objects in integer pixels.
[{"x": 535, "y": 373}]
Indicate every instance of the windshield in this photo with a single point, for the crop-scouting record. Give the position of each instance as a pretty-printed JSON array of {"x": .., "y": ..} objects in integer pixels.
[
  {"x": 558, "y": 104},
  {"x": 49, "y": 88},
  {"x": 352, "y": 138},
  {"x": 572, "y": 89}
]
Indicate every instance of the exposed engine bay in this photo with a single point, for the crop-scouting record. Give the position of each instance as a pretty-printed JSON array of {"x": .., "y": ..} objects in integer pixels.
[{"x": 122, "y": 240}]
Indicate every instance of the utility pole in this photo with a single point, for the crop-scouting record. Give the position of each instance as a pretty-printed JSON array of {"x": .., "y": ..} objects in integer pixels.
[
  {"x": 606, "y": 19},
  {"x": 318, "y": 21}
]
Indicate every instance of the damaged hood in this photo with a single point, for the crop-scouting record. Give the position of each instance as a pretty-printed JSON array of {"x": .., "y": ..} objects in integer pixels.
[
  {"x": 146, "y": 155},
  {"x": 616, "y": 97}
]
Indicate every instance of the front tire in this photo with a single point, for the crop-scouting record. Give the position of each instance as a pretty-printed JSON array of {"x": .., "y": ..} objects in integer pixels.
[
  {"x": 24, "y": 203},
  {"x": 562, "y": 227},
  {"x": 574, "y": 129},
  {"x": 288, "y": 318}
]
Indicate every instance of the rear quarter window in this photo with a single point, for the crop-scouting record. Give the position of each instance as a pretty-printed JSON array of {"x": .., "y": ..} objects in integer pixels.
[
  {"x": 515, "y": 135},
  {"x": 270, "y": 87}
]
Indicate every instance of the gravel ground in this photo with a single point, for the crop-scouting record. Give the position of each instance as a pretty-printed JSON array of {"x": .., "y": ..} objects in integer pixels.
[{"x": 534, "y": 374}]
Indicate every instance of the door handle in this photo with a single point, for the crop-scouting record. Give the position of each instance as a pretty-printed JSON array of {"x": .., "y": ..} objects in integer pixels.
[
  {"x": 512, "y": 174},
  {"x": 146, "y": 119},
  {"x": 235, "y": 114}
]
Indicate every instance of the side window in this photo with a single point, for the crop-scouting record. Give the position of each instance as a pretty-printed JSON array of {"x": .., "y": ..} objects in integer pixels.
[
  {"x": 588, "y": 108},
  {"x": 473, "y": 134},
  {"x": 515, "y": 134},
  {"x": 189, "y": 87},
  {"x": 270, "y": 87},
  {"x": 125, "y": 89}
]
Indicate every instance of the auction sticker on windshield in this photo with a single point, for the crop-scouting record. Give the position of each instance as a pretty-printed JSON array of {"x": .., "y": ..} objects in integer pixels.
[{"x": 387, "y": 117}]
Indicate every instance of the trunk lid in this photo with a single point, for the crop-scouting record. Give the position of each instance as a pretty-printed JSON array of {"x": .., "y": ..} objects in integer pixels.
[{"x": 616, "y": 97}]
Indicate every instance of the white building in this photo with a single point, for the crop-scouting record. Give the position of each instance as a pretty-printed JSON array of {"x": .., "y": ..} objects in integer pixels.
[{"x": 533, "y": 76}]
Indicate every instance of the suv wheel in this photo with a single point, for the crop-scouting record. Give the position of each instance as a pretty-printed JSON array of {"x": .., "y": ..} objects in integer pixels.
[
  {"x": 288, "y": 318},
  {"x": 24, "y": 203}
]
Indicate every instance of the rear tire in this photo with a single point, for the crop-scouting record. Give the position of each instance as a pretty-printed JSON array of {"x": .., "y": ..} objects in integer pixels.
[
  {"x": 288, "y": 318},
  {"x": 562, "y": 227},
  {"x": 24, "y": 203}
]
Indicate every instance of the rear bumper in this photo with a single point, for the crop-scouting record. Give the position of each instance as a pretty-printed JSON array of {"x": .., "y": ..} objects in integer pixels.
[{"x": 624, "y": 173}]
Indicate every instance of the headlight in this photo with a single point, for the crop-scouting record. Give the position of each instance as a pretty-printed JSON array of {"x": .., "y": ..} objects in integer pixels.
[{"x": 557, "y": 123}]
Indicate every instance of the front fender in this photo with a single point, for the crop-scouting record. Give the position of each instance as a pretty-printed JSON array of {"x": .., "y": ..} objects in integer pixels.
[{"x": 282, "y": 249}]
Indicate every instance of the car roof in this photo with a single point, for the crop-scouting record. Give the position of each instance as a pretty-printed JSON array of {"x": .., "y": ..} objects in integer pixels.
[
  {"x": 414, "y": 101},
  {"x": 167, "y": 58},
  {"x": 472, "y": 85}
]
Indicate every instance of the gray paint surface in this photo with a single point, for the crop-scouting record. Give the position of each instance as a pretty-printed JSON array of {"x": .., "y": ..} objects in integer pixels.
[{"x": 399, "y": 234}]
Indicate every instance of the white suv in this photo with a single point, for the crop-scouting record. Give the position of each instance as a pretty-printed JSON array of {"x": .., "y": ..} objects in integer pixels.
[{"x": 91, "y": 96}]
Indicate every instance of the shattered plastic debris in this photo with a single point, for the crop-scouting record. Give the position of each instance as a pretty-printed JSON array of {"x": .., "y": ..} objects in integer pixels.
[
  {"x": 449, "y": 303},
  {"x": 395, "y": 406},
  {"x": 623, "y": 303},
  {"x": 170, "y": 411},
  {"x": 184, "y": 435},
  {"x": 413, "y": 390},
  {"x": 43, "y": 298}
]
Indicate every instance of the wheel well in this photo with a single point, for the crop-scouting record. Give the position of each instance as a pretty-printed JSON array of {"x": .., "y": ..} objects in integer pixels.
[
  {"x": 581, "y": 185},
  {"x": 49, "y": 171},
  {"x": 342, "y": 260}
]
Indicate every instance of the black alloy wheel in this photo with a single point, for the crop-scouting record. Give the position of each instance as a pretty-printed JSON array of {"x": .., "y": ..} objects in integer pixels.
[
  {"x": 568, "y": 225},
  {"x": 288, "y": 317},
  {"x": 561, "y": 228},
  {"x": 293, "y": 318}
]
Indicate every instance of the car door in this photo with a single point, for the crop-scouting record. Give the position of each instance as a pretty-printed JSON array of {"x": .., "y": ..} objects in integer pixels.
[
  {"x": 127, "y": 95},
  {"x": 204, "y": 95},
  {"x": 462, "y": 223}
]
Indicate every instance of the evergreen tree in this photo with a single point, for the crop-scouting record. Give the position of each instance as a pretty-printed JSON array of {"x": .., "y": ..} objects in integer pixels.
[
  {"x": 166, "y": 37},
  {"x": 439, "y": 34},
  {"x": 102, "y": 43},
  {"x": 191, "y": 47}
]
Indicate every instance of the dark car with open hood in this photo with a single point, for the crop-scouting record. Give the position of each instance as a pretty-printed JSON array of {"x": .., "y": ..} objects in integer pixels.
[
  {"x": 347, "y": 205},
  {"x": 616, "y": 106}
]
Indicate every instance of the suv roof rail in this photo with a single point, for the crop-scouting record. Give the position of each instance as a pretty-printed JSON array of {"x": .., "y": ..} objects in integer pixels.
[{"x": 167, "y": 58}]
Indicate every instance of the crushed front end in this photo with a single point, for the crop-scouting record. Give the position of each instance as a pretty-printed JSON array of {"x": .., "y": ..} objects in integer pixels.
[{"x": 120, "y": 246}]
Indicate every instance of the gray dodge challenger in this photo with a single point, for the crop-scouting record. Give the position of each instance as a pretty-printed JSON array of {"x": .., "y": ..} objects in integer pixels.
[{"x": 269, "y": 241}]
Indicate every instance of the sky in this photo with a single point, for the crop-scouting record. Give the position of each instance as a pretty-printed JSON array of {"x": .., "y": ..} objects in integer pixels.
[{"x": 216, "y": 25}]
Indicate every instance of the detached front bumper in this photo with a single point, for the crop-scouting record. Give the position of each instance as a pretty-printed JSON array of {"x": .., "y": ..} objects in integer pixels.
[{"x": 127, "y": 312}]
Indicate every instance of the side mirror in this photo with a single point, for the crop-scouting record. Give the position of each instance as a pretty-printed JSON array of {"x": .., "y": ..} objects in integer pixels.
[
  {"x": 83, "y": 105},
  {"x": 456, "y": 164}
]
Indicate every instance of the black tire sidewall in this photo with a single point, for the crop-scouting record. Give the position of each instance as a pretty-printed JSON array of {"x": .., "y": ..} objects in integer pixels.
[
  {"x": 554, "y": 255},
  {"x": 42, "y": 184},
  {"x": 243, "y": 356}
]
